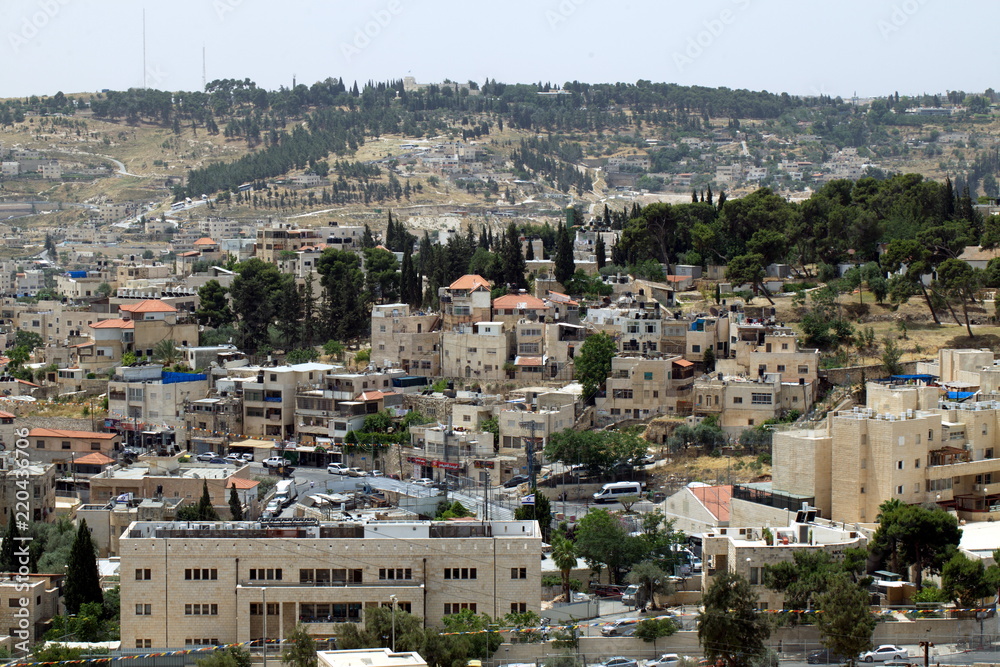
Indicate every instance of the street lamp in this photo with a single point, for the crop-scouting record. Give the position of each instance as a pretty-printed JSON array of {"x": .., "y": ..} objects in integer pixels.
[{"x": 392, "y": 599}]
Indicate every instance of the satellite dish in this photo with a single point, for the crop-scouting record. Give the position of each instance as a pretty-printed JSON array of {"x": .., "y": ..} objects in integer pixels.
[{"x": 713, "y": 312}]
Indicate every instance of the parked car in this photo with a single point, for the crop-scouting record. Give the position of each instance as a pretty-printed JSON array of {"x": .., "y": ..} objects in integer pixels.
[
  {"x": 618, "y": 628},
  {"x": 377, "y": 473},
  {"x": 272, "y": 509},
  {"x": 825, "y": 657},
  {"x": 355, "y": 472},
  {"x": 393, "y": 476},
  {"x": 218, "y": 459},
  {"x": 207, "y": 456},
  {"x": 665, "y": 660},
  {"x": 246, "y": 456},
  {"x": 516, "y": 480},
  {"x": 274, "y": 462},
  {"x": 618, "y": 661},
  {"x": 885, "y": 652},
  {"x": 234, "y": 458},
  {"x": 337, "y": 469},
  {"x": 609, "y": 591},
  {"x": 424, "y": 481}
]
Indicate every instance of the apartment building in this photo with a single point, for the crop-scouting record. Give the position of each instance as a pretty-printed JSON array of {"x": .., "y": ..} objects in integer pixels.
[
  {"x": 269, "y": 396},
  {"x": 29, "y": 622},
  {"x": 210, "y": 424},
  {"x": 406, "y": 339},
  {"x": 241, "y": 581},
  {"x": 40, "y": 481},
  {"x": 476, "y": 351},
  {"x": 146, "y": 394},
  {"x": 513, "y": 308},
  {"x": 740, "y": 402},
  {"x": 273, "y": 240},
  {"x": 465, "y": 301},
  {"x": 532, "y": 425},
  {"x": 910, "y": 443},
  {"x": 639, "y": 387}
]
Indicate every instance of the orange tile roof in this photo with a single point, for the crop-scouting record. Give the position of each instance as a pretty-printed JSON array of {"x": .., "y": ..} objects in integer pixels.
[
  {"x": 204, "y": 240},
  {"x": 715, "y": 499},
  {"x": 7, "y": 415},
  {"x": 678, "y": 279},
  {"x": 116, "y": 323},
  {"x": 148, "y": 306},
  {"x": 369, "y": 396},
  {"x": 520, "y": 301},
  {"x": 471, "y": 282},
  {"x": 528, "y": 361},
  {"x": 94, "y": 459},
  {"x": 684, "y": 363},
  {"x": 241, "y": 483},
  {"x": 190, "y": 253},
  {"x": 559, "y": 297},
  {"x": 61, "y": 433}
]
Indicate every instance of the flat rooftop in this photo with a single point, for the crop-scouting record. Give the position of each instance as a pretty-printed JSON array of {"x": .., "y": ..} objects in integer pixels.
[{"x": 314, "y": 529}]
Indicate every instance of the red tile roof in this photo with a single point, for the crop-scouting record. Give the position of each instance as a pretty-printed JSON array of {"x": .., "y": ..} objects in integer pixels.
[
  {"x": 204, "y": 240},
  {"x": 520, "y": 302},
  {"x": 148, "y": 306},
  {"x": 94, "y": 459},
  {"x": 528, "y": 361},
  {"x": 559, "y": 297},
  {"x": 241, "y": 483},
  {"x": 116, "y": 323},
  {"x": 470, "y": 282},
  {"x": 7, "y": 415},
  {"x": 370, "y": 396},
  {"x": 61, "y": 433},
  {"x": 190, "y": 253},
  {"x": 684, "y": 363},
  {"x": 715, "y": 499}
]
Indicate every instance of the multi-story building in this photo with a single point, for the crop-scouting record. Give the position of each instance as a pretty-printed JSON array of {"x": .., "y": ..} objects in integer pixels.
[
  {"x": 741, "y": 402},
  {"x": 640, "y": 387},
  {"x": 28, "y": 605},
  {"x": 532, "y": 427},
  {"x": 275, "y": 239},
  {"x": 513, "y": 308},
  {"x": 41, "y": 482},
  {"x": 61, "y": 446},
  {"x": 476, "y": 351},
  {"x": 146, "y": 395},
  {"x": 210, "y": 424},
  {"x": 465, "y": 301},
  {"x": 244, "y": 580},
  {"x": 269, "y": 396},
  {"x": 405, "y": 339}
]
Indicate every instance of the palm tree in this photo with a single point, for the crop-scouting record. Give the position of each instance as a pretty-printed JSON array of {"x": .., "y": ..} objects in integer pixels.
[
  {"x": 564, "y": 557},
  {"x": 166, "y": 352}
]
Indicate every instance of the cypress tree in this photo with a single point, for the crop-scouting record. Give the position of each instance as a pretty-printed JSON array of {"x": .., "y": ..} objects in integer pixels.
[
  {"x": 600, "y": 253},
  {"x": 235, "y": 506},
  {"x": 83, "y": 582},
  {"x": 512, "y": 260},
  {"x": 565, "y": 267},
  {"x": 708, "y": 196},
  {"x": 8, "y": 561},
  {"x": 205, "y": 510},
  {"x": 530, "y": 253}
]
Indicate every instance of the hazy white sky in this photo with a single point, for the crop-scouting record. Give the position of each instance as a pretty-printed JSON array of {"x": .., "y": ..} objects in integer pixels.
[{"x": 873, "y": 47}]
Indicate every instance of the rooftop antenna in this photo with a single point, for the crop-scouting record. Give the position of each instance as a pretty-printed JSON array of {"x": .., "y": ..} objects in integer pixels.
[{"x": 144, "y": 47}]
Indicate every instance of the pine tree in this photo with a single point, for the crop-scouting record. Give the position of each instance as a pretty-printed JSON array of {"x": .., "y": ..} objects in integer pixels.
[
  {"x": 607, "y": 217},
  {"x": 308, "y": 312},
  {"x": 512, "y": 260},
  {"x": 600, "y": 255},
  {"x": 565, "y": 267},
  {"x": 367, "y": 238},
  {"x": 694, "y": 197},
  {"x": 235, "y": 506},
  {"x": 83, "y": 582}
]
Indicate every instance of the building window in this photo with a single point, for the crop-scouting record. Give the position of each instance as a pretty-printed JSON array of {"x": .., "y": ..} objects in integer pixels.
[
  {"x": 647, "y": 375},
  {"x": 204, "y": 574},
  {"x": 760, "y": 399},
  {"x": 916, "y": 463},
  {"x": 143, "y": 609},
  {"x": 65, "y": 444},
  {"x": 143, "y": 574},
  {"x": 930, "y": 435},
  {"x": 39, "y": 444},
  {"x": 696, "y": 349},
  {"x": 518, "y": 573},
  {"x": 460, "y": 573},
  {"x": 899, "y": 490},
  {"x": 518, "y": 607},
  {"x": 273, "y": 574},
  {"x": 395, "y": 574},
  {"x": 455, "y": 607},
  {"x": 257, "y": 608},
  {"x": 781, "y": 368},
  {"x": 988, "y": 453},
  {"x": 144, "y": 643},
  {"x": 201, "y": 610},
  {"x": 803, "y": 370},
  {"x": 899, "y": 465},
  {"x": 201, "y": 641},
  {"x": 755, "y": 577},
  {"x": 737, "y": 400}
]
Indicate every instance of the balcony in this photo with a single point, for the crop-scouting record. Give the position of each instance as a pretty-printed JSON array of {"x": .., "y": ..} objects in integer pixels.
[{"x": 948, "y": 455}]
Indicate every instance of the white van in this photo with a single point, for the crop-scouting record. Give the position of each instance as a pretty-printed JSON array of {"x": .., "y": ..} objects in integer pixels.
[{"x": 610, "y": 493}]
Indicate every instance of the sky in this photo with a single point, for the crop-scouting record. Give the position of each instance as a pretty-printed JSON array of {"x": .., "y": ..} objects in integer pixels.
[{"x": 804, "y": 47}]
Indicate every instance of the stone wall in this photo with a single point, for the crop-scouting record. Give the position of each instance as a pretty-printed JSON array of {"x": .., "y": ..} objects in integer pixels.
[{"x": 852, "y": 374}]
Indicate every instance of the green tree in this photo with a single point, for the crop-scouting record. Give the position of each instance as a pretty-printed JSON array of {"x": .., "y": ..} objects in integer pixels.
[
  {"x": 345, "y": 313},
  {"x": 708, "y": 359},
  {"x": 959, "y": 282},
  {"x": 564, "y": 558},
  {"x": 334, "y": 348},
  {"x": 964, "y": 580},
  {"x": 206, "y": 511},
  {"x": 915, "y": 536},
  {"x": 652, "y": 578},
  {"x": 512, "y": 263},
  {"x": 846, "y": 623},
  {"x": 565, "y": 267},
  {"x": 729, "y": 626},
  {"x": 593, "y": 364},
  {"x": 602, "y": 539},
  {"x": 8, "y": 558},
  {"x": 381, "y": 275},
  {"x": 253, "y": 294},
  {"x": 103, "y": 290},
  {"x": 83, "y": 582},
  {"x": 377, "y": 631},
  {"x": 301, "y": 649},
  {"x": 600, "y": 253},
  {"x": 166, "y": 352},
  {"x": 651, "y": 629},
  {"x": 231, "y": 656},
  {"x": 235, "y": 506},
  {"x": 747, "y": 270}
]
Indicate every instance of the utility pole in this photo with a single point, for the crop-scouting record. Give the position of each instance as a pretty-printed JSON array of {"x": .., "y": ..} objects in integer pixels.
[{"x": 927, "y": 648}]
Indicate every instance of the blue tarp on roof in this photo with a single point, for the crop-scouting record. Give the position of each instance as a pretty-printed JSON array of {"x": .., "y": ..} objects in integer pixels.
[
  {"x": 171, "y": 377},
  {"x": 960, "y": 395},
  {"x": 925, "y": 378}
]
